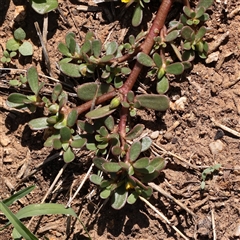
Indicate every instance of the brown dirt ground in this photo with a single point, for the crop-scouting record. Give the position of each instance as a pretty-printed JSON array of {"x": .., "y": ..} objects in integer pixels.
[{"x": 211, "y": 90}]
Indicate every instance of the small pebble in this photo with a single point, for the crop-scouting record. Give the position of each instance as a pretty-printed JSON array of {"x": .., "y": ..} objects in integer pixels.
[
  {"x": 154, "y": 135},
  {"x": 216, "y": 147},
  {"x": 213, "y": 57},
  {"x": 237, "y": 231},
  {"x": 219, "y": 134},
  {"x": 168, "y": 136},
  {"x": 4, "y": 141}
]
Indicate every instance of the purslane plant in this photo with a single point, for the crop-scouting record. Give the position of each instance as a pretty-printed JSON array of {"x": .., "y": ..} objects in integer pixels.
[{"x": 105, "y": 129}]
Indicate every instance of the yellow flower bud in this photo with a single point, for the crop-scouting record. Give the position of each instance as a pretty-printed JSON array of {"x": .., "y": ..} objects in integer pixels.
[
  {"x": 125, "y": 1},
  {"x": 129, "y": 186}
]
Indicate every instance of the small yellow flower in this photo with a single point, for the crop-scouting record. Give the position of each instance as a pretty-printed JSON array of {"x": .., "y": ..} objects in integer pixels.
[
  {"x": 125, "y": 1},
  {"x": 129, "y": 186}
]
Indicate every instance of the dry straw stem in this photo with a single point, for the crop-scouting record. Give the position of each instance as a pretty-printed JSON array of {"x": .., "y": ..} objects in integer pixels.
[
  {"x": 163, "y": 217},
  {"x": 225, "y": 128},
  {"x": 167, "y": 195}
]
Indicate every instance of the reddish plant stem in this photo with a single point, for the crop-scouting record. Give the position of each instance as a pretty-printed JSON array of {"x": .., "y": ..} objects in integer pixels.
[{"x": 146, "y": 47}]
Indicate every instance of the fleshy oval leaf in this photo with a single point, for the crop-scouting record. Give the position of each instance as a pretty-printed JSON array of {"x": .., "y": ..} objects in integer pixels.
[
  {"x": 44, "y": 6},
  {"x": 135, "y": 132},
  {"x": 78, "y": 143},
  {"x": 141, "y": 163},
  {"x": 70, "y": 69},
  {"x": 175, "y": 68},
  {"x": 137, "y": 16},
  {"x": 96, "y": 179},
  {"x": 100, "y": 112},
  {"x": 68, "y": 155},
  {"x": 119, "y": 197},
  {"x": 38, "y": 123},
  {"x": 111, "y": 167},
  {"x": 163, "y": 85},
  {"x": 145, "y": 59},
  {"x": 135, "y": 151},
  {"x": 72, "y": 118}
]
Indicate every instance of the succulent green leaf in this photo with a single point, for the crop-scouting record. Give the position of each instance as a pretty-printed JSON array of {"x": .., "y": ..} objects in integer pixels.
[
  {"x": 72, "y": 45},
  {"x": 163, "y": 85},
  {"x": 175, "y": 68},
  {"x": 85, "y": 126},
  {"x": 106, "y": 58},
  {"x": 65, "y": 134},
  {"x": 38, "y": 123},
  {"x": 187, "y": 45},
  {"x": 157, "y": 60},
  {"x": 188, "y": 55},
  {"x": 187, "y": 33},
  {"x": 118, "y": 82},
  {"x": 26, "y": 49},
  {"x": 98, "y": 162},
  {"x": 56, "y": 92},
  {"x": 44, "y": 6},
  {"x": 152, "y": 101},
  {"x": 141, "y": 163},
  {"x": 19, "y": 34},
  {"x": 68, "y": 156},
  {"x": 116, "y": 150},
  {"x": 146, "y": 143},
  {"x": 16, "y": 98},
  {"x": 72, "y": 118},
  {"x": 115, "y": 102},
  {"x": 86, "y": 47},
  {"x": 100, "y": 112},
  {"x": 88, "y": 91},
  {"x": 135, "y": 151},
  {"x": 135, "y": 132},
  {"x": 49, "y": 141},
  {"x": 96, "y": 47},
  {"x": 132, "y": 198},
  {"x": 201, "y": 32},
  {"x": 78, "y": 143},
  {"x": 158, "y": 163},
  {"x": 149, "y": 177},
  {"x": 204, "y": 17},
  {"x": 111, "y": 48},
  {"x": 145, "y": 59},
  {"x": 137, "y": 15},
  {"x": 105, "y": 193},
  {"x": 205, "y": 3},
  {"x": 200, "y": 11},
  {"x": 130, "y": 96},
  {"x": 63, "y": 49},
  {"x": 70, "y": 69},
  {"x": 109, "y": 123},
  {"x": 96, "y": 179},
  {"x": 15, "y": 83},
  {"x": 146, "y": 193},
  {"x": 57, "y": 144},
  {"x": 12, "y": 45},
  {"x": 111, "y": 167},
  {"x": 52, "y": 120},
  {"x": 172, "y": 36},
  {"x": 32, "y": 77},
  {"x": 125, "y": 70},
  {"x": 119, "y": 197}
]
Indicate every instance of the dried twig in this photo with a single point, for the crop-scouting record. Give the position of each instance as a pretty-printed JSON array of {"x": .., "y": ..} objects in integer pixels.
[
  {"x": 213, "y": 225},
  {"x": 163, "y": 217}
]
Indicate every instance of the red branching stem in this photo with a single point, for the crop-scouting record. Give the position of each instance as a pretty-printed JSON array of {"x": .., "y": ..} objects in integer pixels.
[
  {"x": 84, "y": 107},
  {"x": 122, "y": 124},
  {"x": 147, "y": 45}
]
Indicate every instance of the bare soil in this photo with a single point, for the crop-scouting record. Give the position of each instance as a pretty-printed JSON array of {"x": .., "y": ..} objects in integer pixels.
[{"x": 212, "y": 92}]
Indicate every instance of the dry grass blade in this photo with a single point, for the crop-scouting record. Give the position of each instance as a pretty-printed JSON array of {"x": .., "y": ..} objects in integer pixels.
[{"x": 163, "y": 217}]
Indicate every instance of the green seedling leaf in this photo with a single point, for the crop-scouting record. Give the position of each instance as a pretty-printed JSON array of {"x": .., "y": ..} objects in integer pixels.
[
  {"x": 72, "y": 45},
  {"x": 137, "y": 15},
  {"x": 17, "y": 98},
  {"x": 146, "y": 143},
  {"x": 65, "y": 134},
  {"x": 103, "y": 131},
  {"x": 152, "y": 101},
  {"x": 111, "y": 48},
  {"x": 96, "y": 47},
  {"x": 135, "y": 151},
  {"x": 49, "y": 141},
  {"x": 68, "y": 38},
  {"x": 201, "y": 32},
  {"x": 105, "y": 193},
  {"x": 172, "y": 36},
  {"x": 111, "y": 167},
  {"x": 144, "y": 59},
  {"x": 106, "y": 184},
  {"x": 116, "y": 150},
  {"x": 187, "y": 33},
  {"x": 115, "y": 102},
  {"x": 19, "y": 34},
  {"x": 85, "y": 126},
  {"x": 125, "y": 70},
  {"x": 32, "y": 77},
  {"x": 200, "y": 12},
  {"x": 89, "y": 91},
  {"x": 44, "y": 6},
  {"x": 175, "y": 68},
  {"x": 149, "y": 177},
  {"x": 72, "y": 118},
  {"x": 130, "y": 96},
  {"x": 15, "y": 83},
  {"x": 205, "y": 3},
  {"x": 158, "y": 163},
  {"x": 18, "y": 195},
  {"x": 106, "y": 58},
  {"x": 100, "y": 112},
  {"x": 119, "y": 197},
  {"x": 132, "y": 198},
  {"x": 26, "y": 49},
  {"x": 68, "y": 156},
  {"x": 96, "y": 179},
  {"x": 57, "y": 144},
  {"x": 63, "y": 49},
  {"x": 163, "y": 85},
  {"x": 109, "y": 123},
  {"x": 78, "y": 143},
  {"x": 187, "y": 11},
  {"x": 38, "y": 123},
  {"x": 70, "y": 69},
  {"x": 157, "y": 60},
  {"x": 98, "y": 162},
  {"x": 12, "y": 45},
  {"x": 86, "y": 47},
  {"x": 146, "y": 193},
  {"x": 135, "y": 132},
  {"x": 56, "y": 92},
  {"x": 186, "y": 65},
  {"x": 188, "y": 55},
  {"x": 141, "y": 163},
  {"x": 22, "y": 230}
]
